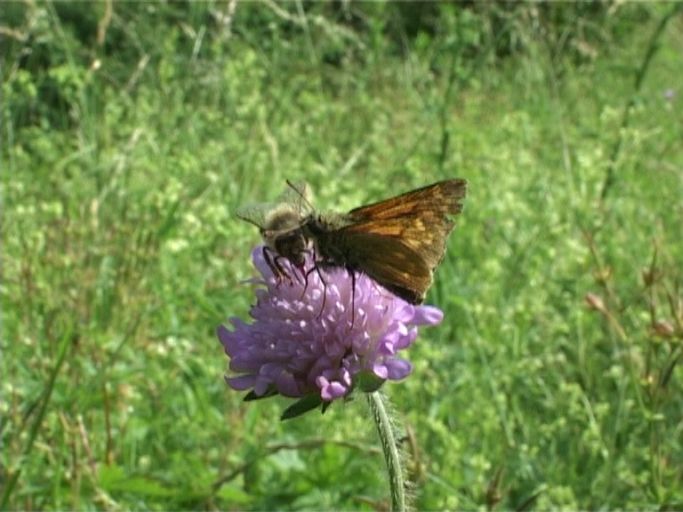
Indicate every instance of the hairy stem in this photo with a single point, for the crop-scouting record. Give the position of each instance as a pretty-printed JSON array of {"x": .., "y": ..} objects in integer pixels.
[{"x": 387, "y": 436}]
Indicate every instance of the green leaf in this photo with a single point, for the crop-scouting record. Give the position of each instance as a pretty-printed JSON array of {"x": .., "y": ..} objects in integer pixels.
[
  {"x": 251, "y": 396},
  {"x": 301, "y": 406}
]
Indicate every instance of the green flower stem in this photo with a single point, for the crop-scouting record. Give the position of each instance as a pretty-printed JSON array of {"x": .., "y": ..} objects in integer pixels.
[{"x": 387, "y": 436}]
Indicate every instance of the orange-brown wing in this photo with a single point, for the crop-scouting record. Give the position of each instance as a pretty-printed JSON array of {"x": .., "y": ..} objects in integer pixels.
[
  {"x": 418, "y": 219},
  {"x": 390, "y": 262},
  {"x": 443, "y": 196}
]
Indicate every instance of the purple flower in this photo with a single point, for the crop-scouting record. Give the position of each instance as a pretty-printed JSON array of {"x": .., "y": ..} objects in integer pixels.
[{"x": 302, "y": 342}]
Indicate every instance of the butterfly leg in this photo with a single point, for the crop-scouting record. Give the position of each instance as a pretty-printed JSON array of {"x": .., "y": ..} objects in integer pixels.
[
  {"x": 316, "y": 268},
  {"x": 322, "y": 280},
  {"x": 353, "y": 294},
  {"x": 305, "y": 273}
]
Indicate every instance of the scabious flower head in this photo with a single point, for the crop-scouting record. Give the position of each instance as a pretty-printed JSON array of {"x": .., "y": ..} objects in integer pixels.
[{"x": 305, "y": 339}]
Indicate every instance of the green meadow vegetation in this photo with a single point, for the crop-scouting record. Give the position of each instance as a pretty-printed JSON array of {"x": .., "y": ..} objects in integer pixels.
[{"x": 131, "y": 131}]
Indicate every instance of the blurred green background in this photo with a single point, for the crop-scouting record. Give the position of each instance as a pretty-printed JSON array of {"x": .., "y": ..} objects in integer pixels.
[{"x": 132, "y": 130}]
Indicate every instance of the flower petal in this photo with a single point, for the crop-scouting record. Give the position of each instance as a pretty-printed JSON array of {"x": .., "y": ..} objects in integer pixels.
[
  {"x": 241, "y": 383},
  {"x": 398, "y": 369},
  {"x": 427, "y": 315}
]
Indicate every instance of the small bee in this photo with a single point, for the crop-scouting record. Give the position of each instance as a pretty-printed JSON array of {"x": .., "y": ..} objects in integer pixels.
[
  {"x": 281, "y": 227},
  {"x": 398, "y": 242}
]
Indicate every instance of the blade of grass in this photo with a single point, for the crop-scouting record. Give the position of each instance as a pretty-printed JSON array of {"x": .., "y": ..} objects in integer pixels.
[
  {"x": 67, "y": 341},
  {"x": 652, "y": 48}
]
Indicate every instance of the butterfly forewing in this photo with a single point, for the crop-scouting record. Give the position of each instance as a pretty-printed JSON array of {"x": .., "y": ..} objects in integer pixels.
[
  {"x": 444, "y": 197},
  {"x": 418, "y": 220}
]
